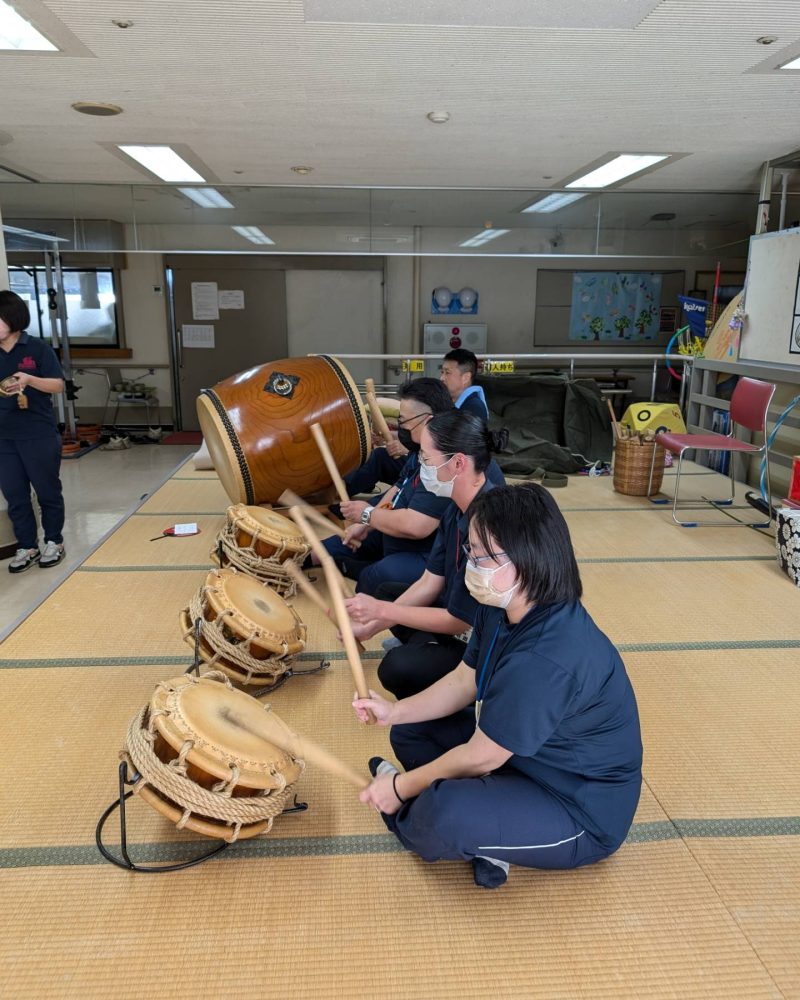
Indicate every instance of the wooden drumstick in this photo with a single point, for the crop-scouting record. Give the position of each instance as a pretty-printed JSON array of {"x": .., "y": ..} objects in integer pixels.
[
  {"x": 336, "y": 588},
  {"x": 291, "y": 499},
  {"x": 274, "y": 730},
  {"x": 378, "y": 418},
  {"x": 304, "y": 584},
  {"x": 330, "y": 464}
]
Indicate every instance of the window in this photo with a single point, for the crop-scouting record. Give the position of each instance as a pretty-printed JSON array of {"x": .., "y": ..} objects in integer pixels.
[{"x": 91, "y": 303}]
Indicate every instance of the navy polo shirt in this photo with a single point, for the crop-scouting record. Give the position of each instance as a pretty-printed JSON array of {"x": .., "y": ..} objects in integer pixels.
[
  {"x": 412, "y": 495},
  {"x": 555, "y": 693},
  {"x": 447, "y": 559},
  {"x": 473, "y": 401},
  {"x": 36, "y": 357}
]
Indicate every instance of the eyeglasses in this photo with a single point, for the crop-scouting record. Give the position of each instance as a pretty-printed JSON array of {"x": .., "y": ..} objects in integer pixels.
[
  {"x": 402, "y": 423},
  {"x": 428, "y": 465},
  {"x": 475, "y": 560}
]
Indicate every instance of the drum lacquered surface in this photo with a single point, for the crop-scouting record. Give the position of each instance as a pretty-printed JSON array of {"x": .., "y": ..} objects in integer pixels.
[{"x": 257, "y": 427}]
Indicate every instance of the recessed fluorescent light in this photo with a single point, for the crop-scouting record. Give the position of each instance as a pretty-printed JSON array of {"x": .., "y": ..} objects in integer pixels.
[
  {"x": 206, "y": 197},
  {"x": 253, "y": 233},
  {"x": 31, "y": 234},
  {"x": 483, "y": 237},
  {"x": 793, "y": 64},
  {"x": 621, "y": 166},
  {"x": 553, "y": 202},
  {"x": 17, "y": 33},
  {"x": 164, "y": 162}
]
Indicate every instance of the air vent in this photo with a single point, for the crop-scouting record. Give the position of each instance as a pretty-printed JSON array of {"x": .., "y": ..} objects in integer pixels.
[{"x": 96, "y": 109}]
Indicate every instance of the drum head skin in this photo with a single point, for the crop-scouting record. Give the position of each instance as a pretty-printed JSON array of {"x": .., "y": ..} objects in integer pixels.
[
  {"x": 262, "y": 524},
  {"x": 226, "y": 728},
  {"x": 256, "y": 608}
]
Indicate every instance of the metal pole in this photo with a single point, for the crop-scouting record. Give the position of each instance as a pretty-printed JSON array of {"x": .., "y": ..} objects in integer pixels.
[
  {"x": 764, "y": 199},
  {"x": 784, "y": 192},
  {"x": 653, "y": 383},
  {"x": 58, "y": 328}
]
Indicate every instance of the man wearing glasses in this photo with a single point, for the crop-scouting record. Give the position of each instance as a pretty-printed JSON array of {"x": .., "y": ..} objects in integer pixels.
[
  {"x": 390, "y": 538},
  {"x": 384, "y": 465}
]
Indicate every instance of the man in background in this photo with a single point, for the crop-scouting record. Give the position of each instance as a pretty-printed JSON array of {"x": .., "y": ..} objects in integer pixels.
[{"x": 459, "y": 369}]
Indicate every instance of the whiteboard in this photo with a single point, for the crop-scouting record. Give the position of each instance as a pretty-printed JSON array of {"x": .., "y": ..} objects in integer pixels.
[
  {"x": 772, "y": 299},
  {"x": 335, "y": 312}
]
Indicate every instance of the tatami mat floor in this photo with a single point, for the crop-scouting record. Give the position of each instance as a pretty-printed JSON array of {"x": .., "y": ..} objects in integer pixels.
[{"x": 703, "y": 900}]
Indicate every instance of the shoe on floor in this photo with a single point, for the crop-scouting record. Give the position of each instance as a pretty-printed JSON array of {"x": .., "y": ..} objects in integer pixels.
[
  {"x": 52, "y": 555},
  {"x": 489, "y": 873},
  {"x": 23, "y": 559},
  {"x": 379, "y": 765}
]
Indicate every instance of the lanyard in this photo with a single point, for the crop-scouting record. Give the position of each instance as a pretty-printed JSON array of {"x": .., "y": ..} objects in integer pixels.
[{"x": 483, "y": 680}]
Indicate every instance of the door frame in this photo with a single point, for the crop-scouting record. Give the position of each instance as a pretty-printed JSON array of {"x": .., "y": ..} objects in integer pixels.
[{"x": 256, "y": 262}]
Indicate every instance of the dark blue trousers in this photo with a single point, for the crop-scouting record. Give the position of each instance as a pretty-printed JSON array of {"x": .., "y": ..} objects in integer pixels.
[
  {"x": 34, "y": 462},
  {"x": 380, "y": 467},
  {"x": 503, "y": 815},
  {"x": 370, "y": 568}
]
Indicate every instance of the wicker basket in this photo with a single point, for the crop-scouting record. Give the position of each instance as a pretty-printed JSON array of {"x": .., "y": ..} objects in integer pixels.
[{"x": 632, "y": 458}]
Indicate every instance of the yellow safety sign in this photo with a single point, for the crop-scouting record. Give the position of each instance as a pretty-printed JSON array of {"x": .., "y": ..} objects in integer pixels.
[
  {"x": 413, "y": 366},
  {"x": 498, "y": 367}
]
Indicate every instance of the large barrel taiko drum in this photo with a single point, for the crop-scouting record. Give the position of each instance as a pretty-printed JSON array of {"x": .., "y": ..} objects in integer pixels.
[{"x": 257, "y": 426}]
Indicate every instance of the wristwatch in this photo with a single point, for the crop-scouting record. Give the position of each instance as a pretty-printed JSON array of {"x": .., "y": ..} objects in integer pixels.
[{"x": 366, "y": 514}]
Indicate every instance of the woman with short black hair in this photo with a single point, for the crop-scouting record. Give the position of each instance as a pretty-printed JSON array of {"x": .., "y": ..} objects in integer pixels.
[
  {"x": 30, "y": 445},
  {"x": 528, "y": 752}
]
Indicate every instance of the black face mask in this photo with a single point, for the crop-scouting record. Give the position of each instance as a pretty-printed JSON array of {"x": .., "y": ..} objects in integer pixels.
[{"x": 405, "y": 439}]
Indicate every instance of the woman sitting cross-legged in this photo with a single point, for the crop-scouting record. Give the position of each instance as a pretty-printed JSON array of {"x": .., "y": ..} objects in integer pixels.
[
  {"x": 430, "y": 616},
  {"x": 544, "y": 769}
]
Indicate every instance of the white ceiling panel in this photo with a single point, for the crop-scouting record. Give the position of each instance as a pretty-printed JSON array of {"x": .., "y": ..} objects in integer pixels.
[
  {"x": 574, "y": 15},
  {"x": 252, "y": 88}
]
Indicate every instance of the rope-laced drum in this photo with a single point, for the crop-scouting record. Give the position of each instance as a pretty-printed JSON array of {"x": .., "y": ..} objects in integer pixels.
[
  {"x": 246, "y": 629},
  {"x": 259, "y": 541},
  {"x": 202, "y": 761}
]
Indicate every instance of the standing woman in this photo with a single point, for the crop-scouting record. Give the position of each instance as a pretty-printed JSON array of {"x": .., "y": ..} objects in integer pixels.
[
  {"x": 544, "y": 770},
  {"x": 430, "y": 617},
  {"x": 30, "y": 445}
]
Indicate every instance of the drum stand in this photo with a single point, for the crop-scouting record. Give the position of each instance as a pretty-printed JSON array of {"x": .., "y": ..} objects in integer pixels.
[{"x": 125, "y": 861}]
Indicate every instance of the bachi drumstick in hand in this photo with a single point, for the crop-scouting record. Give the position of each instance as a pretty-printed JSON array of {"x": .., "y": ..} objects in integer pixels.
[
  {"x": 304, "y": 584},
  {"x": 378, "y": 419},
  {"x": 330, "y": 464}
]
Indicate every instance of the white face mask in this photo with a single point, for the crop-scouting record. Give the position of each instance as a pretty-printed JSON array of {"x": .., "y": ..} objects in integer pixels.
[
  {"x": 431, "y": 481},
  {"x": 478, "y": 580}
]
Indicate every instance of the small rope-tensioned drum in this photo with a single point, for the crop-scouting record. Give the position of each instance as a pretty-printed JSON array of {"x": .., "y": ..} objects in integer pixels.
[
  {"x": 259, "y": 541},
  {"x": 246, "y": 629},
  {"x": 201, "y": 761}
]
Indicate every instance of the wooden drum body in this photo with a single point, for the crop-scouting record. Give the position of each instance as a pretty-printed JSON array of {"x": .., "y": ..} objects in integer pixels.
[
  {"x": 259, "y": 541},
  {"x": 246, "y": 629},
  {"x": 257, "y": 427},
  {"x": 201, "y": 762}
]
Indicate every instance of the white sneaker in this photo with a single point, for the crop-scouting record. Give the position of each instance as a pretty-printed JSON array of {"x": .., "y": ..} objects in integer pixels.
[
  {"x": 23, "y": 558},
  {"x": 52, "y": 555}
]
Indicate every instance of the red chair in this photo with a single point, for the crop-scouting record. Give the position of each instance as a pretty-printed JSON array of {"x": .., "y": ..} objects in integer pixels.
[{"x": 749, "y": 407}]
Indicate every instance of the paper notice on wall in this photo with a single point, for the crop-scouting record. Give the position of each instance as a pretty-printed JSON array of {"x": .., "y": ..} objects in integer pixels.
[
  {"x": 231, "y": 298},
  {"x": 205, "y": 300},
  {"x": 195, "y": 335}
]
